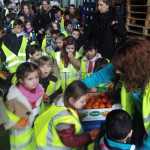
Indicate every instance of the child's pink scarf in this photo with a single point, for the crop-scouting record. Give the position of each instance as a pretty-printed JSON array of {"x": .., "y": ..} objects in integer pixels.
[{"x": 31, "y": 95}]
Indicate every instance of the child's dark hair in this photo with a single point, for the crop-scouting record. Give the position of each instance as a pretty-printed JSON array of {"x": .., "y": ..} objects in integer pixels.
[
  {"x": 18, "y": 22},
  {"x": 77, "y": 30},
  {"x": 60, "y": 36},
  {"x": 28, "y": 21},
  {"x": 34, "y": 48},
  {"x": 24, "y": 69},
  {"x": 44, "y": 60},
  {"x": 76, "y": 89},
  {"x": 21, "y": 15},
  {"x": 49, "y": 28},
  {"x": 55, "y": 32},
  {"x": 72, "y": 5},
  {"x": 89, "y": 45},
  {"x": 75, "y": 16},
  {"x": 67, "y": 22},
  {"x": 100, "y": 63},
  {"x": 118, "y": 124}
]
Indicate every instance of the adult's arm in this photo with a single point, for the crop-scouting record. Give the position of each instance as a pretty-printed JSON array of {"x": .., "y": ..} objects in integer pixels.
[
  {"x": 105, "y": 75},
  {"x": 146, "y": 143}
]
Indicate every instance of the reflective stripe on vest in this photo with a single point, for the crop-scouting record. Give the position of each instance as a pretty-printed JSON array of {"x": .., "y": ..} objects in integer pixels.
[
  {"x": 44, "y": 126},
  {"x": 63, "y": 31},
  {"x": 70, "y": 74},
  {"x": 12, "y": 60},
  {"x": 44, "y": 53},
  {"x": 22, "y": 139}
]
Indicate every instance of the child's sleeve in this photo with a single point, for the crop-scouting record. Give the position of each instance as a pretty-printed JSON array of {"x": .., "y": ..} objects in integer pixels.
[{"x": 68, "y": 137}]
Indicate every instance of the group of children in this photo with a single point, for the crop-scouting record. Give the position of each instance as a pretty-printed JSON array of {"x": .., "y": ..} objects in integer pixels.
[{"x": 55, "y": 67}]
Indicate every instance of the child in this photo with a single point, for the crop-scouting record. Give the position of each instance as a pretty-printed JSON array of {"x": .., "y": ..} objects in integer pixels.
[
  {"x": 118, "y": 130},
  {"x": 24, "y": 100},
  {"x": 68, "y": 28},
  {"x": 2, "y": 33},
  {"x": 68, "y": 62},
  {"x": 59, "y": 127},
  {"x": 21, "y": 17},
  {"x": 35, "y": 52},
  {"x": 75, "y": 22},
  {"x": 100, "y": 63},
  {"x": 54, "y": 35},
  {"x": 50, "y": 83},
  {"x": 55, "y": 26},
  {"x": 46, "y": 43},
  {"x": 14, "y": 47},
  {"x": 76, "y": 34},
  {"x": 30, "y": 33},
  {"x": 59, "y": 43},
  {"x": 88, "y": 60}
]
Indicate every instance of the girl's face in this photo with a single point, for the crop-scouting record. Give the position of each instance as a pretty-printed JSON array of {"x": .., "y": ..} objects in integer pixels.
[
  {"x": 22, "y": 18},
  {"x": 25, "y": 9},
  {"x": 45, "y": 70},
  {"x": 71, "y": 10},
  {"x": 45, "y": 6},
  {"x": 69, "y": 27},
  {"x": 80, "y": 103},
  {"x": 48, "y": 34},
  {"x": 35, "y": 56},
  {"x": 102, "y": 7},
  {"x": 31, "y": 80},
  {"x": 59, "y": 43},
  {"x": 55, "y": 26},
  {"x": 90, "y": 53},
  {"x": 28, "y": 25},
  {"x": 70, "y": 48},
  {"x": 75, "y": 34}
]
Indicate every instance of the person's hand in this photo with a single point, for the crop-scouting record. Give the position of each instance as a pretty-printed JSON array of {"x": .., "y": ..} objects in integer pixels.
[
  {"x": 94, "y": 89},
  {"x": 70, "y": 54},
  {"x": 114, "y": 24}
]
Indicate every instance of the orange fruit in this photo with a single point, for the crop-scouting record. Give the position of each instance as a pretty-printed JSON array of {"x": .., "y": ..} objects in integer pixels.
[
  {"x": 101, "y": 105},
  {"x": 22, "y": 122},
  {"x": 104, "y": 100},
  {"x": 94, "y": 132},
  {"x": 45, "y": 97},
  {"x": 102, "y": 94},
  {"x": 108, "y": 105}
]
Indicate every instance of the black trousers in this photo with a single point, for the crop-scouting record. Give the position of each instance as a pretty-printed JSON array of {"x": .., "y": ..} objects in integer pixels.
[{"x": 138, "y": 128}]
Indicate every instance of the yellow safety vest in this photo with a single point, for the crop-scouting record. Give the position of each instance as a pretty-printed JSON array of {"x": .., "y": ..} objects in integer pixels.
[
  {"x": 53, "y": 86},
  {"x": 128, "y": 105},
  {"x": 13, "y": 60},
  {"x": 44, "y": 127},
  {"x": 69, "y": 74}
]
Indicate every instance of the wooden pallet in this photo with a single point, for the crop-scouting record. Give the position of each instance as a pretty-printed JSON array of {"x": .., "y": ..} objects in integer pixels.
[{"x": 138, "y": 17}]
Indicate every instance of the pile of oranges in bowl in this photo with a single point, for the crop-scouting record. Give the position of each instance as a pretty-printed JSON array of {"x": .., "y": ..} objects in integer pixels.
[{"x": 98, "y": 101}]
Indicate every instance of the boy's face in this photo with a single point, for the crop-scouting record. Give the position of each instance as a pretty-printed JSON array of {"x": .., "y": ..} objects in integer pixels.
[
  {"x": 58, "y": 14},
  {"x": 69, "y": 27},
  {"x": 18, "y": 29},
  {"x": 90, "y": 53},
  {"x": 7, "y": 19},
  {"x": 28, "y": 25},
  {"x": 75, "y": 34},
  {"x": 35, "y": 56},
  {"x": 45, "y": 70},
  {"x": 59, "y": 43},
  {"x": 75, "y": 20},
  {"x": 48, "y": 34}
]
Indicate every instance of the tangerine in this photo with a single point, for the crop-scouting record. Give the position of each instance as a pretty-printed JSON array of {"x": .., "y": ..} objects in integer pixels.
[
  {"x": 94, "y": 132},
  {"x": 45, "y": 97},
  {"x": 22, "y": 122},
  {"x": 101, "y": 105}
]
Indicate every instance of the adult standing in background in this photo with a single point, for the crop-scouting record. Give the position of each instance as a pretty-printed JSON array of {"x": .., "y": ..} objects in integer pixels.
[
  {"x": 107, "y": 27},
  {"x": 44, "y": 17},
  {"x": 28, "y": 12}
]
